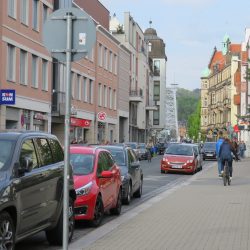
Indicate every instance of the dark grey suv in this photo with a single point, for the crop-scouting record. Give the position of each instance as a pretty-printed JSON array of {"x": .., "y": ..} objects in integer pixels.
[{"x": 31, "y": 188}]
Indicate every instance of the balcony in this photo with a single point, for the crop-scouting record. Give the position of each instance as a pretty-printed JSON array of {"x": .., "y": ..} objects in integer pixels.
[
  {"x": 58, "y": 103},
  {"x": 136, "y": 95},
  {"x": 152, "y": 106}
]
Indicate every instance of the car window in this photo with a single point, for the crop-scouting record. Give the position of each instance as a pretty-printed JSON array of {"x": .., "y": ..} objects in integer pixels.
[
  {"x": 83, "y": 164},
  {"x": 28, "y": 152},
  {"x": 118, "y": 156},
  {"x": 179, "y": 150},
  {"x": 5, "y": 152},
  {"x": 196, "y": 150},
  {"x": 100, "y": 163},
  {"x": 44, "y": 151},
  {"x": 57, "y": 150},
  {"x": 131, "y": 156}
]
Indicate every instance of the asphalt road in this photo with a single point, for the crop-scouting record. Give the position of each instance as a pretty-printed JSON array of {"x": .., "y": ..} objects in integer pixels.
[{"x": 153, "y": 184}]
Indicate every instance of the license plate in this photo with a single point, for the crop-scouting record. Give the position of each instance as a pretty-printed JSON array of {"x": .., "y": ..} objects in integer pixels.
[
  {"x": 209, "y": 155},
  {"x": 176, "y": 166}
]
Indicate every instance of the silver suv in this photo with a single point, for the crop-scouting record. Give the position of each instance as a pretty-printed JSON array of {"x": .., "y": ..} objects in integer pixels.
[{"x": 31, "y": 188}]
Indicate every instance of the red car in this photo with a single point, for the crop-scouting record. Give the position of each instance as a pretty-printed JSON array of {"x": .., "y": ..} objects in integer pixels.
[
  {"x": 181, "y": 157},
  {"x": 97, "y": 182}
]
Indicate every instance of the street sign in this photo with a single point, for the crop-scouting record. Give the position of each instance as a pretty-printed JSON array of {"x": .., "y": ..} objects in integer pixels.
[
  {"x": 7, "y": 96},
  {"x": 102, "y": 116},
  {"x": 55, "y": 34}
]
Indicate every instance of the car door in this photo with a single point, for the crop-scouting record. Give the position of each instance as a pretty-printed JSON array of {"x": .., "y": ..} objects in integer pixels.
[
  {"x": 135, "y": 171},
  {"x": 30, "y": 189},
  {"x": 103, "y": 183}
]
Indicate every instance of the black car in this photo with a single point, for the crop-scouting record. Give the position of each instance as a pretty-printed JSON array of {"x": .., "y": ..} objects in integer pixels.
[
  {"x": 161, "y": 148},
  {"x": 131, "y": 171},
  {"x": 143, "y": 154},
  {"x": 31, "y": 188},
  {"x": 209, "y": 151}
]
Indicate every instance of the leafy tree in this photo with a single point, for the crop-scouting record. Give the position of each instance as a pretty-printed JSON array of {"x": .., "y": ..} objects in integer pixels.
[{"x": 194, "y": 121}]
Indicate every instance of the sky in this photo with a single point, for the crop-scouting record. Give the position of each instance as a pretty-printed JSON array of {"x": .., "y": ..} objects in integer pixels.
[{"x": 190, "y": 29}]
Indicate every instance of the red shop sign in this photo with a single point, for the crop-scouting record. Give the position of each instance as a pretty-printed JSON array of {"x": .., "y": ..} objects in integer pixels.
[{"x": 77, "y": 122}]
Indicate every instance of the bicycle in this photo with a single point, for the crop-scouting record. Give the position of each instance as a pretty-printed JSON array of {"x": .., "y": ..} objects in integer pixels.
[
  {"x": 226, "y": 175},
  {"x": 149, "y": 156}
]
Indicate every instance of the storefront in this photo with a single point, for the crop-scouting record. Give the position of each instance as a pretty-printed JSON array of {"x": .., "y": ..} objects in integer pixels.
[{"x": 80, "y": 130}]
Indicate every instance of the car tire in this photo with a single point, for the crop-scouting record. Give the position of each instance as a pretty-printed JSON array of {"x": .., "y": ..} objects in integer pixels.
[
  {"x": 7, "y": 231},
  {"x": 55, "y": 235},
  {"x": 163, "y": 171},
  {"x": 118, "y": 207},
  {"x": 127, "y": 200},
  {"x": 98, "y": 213},
  {"x": 138, "y": 192}
]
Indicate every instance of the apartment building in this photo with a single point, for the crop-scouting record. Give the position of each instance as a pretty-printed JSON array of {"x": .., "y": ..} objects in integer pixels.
[
  {"x": 132, "y": 37},
  {"x": 25, "y": 65},
  {"x": 220, "y": 91},
  {"x": 158, "y": 59}
]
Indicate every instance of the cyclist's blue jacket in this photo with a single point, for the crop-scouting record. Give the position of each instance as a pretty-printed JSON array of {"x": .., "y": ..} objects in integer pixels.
[
  {"x": 225, "y": 151},
  {"x": 218, "y": 144}
]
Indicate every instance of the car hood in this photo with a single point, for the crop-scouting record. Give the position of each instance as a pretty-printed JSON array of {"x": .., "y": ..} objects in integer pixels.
[
  {"x": 82, "y": 180},
  {"x": 178, "y": 158}
]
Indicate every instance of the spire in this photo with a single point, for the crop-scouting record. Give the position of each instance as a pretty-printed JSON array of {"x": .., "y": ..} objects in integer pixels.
[{"x": 150, "y": 22}]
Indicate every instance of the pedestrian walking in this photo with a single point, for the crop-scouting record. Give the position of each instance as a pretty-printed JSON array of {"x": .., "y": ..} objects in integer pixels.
[{"x": 218, "y": 145}]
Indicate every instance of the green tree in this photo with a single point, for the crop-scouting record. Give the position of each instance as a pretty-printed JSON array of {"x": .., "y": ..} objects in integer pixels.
[{"x": 194, "y": 122}]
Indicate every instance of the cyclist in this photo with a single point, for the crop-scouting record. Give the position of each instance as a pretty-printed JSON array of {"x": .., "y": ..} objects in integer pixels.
[
  {"x": 225, "y": 154},
  {"x": 218, "y": 144}
]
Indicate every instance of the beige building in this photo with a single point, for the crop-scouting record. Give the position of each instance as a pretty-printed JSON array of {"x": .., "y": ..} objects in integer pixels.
[{"x": 220, "y": 91}]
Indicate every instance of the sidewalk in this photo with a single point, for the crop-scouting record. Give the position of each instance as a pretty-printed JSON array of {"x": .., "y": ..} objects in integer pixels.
[{"x": 201, "y": 214}]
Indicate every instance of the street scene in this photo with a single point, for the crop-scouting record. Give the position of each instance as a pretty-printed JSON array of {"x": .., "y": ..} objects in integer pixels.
[{"x": 124, "y": 125}]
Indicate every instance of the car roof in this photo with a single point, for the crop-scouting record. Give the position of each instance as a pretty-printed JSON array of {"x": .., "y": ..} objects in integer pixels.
[
  {"x": 14, "y": 135},
  {"x": 75, "y": 148}
]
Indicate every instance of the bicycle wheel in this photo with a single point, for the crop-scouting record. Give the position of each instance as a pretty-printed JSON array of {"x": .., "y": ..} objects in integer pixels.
[
  {"x": 224, "y": 178},
  {"x": 226, "y": 173}
]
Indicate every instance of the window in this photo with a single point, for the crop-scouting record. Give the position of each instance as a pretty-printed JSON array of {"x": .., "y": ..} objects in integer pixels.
[
  {"x": 45, "y": 12},
  {"x": 156, "y": 117},
  {"x": 28, "y": 154},
  {"x": 24, "y": 12},
  {"x": 156, "y": 67},
  {"x": 34, "y": 71},
  {"x": 105, "y": 59},
  {"x": 44, "y": 151},
  {"x": 110, "y": 98},
  {"x": 78, "y": 87},
  {"x": 12, "y": 8},
  {"x": 156, "y": 91},
  {"x": 73, "y": 88},
  {"x": 23, "y": 67},
  {"x": 100, "y": 55},
  {"x": 90, "y": 91},
  {"x": 100, "y": 94},
  {"x": 35, "y": 15},
  {"x": 110, "y": 61},
  {"x": 115, "y": 62},
  {"x": 105, "y": 96},
  {"x": 57, "y": 151},
  {"x": 11, "y": 63},
  {"x": 114, "y": 99},
  {"x": 44, "y": 75},
  {"x": 85, "y": 88}
]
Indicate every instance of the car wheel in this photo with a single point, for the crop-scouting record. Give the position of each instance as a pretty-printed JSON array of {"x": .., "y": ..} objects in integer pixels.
[
  {"x": 117, "y": 209},
  {"x": 129, "y": 192},
  {"x": 163, "y": 171},
  {"x": 98, "y": 213},
  {"x": 138, "y": 193},
  {"x": 7, "y": 231},
  {"x": 55, "y": 235}
]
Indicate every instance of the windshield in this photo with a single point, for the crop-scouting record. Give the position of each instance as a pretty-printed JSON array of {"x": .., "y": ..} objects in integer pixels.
[
  {"x": 132, "y": 145},
  {"x": 6, "y": 150},
  {"x": 83, "y": 164},
  {"x": 142, "y": 146},
  {"x": 210, "y": 145},
  {"x": 118, "y": 155},
  {"x": 179, "y": 150}
]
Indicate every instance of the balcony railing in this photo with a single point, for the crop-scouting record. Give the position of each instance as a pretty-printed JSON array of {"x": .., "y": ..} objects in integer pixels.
[{"x": 136, "y": 95}]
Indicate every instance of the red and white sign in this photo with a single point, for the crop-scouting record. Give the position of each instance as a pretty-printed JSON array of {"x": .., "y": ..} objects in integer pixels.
[
  {"x": 77, "y": 122},
  {"x": 102, "y": 116}
]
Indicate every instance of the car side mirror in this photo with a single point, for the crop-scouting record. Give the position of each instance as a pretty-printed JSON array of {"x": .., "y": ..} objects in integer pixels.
[
  {"x": 106, "y": 174},
  {"x": 134, "y": 164},
  {"x": 25, "y": 164}
]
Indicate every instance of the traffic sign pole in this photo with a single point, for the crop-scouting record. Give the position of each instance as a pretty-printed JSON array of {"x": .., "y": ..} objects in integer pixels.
[{"x": 69, "y": 16}]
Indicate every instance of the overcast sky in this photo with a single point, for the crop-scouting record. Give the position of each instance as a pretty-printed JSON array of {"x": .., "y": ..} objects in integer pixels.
[{"x": 190, "y": 29}]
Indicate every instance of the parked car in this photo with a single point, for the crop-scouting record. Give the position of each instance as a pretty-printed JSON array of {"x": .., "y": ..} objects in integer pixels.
[
  {"x": 31, "y": 188},
  {"x": 209, "y": 151},
  {"x": 181, "y": 157},
  {"x": 134, "y": 146},
  {"x": 131, "y": 171},
  {"x": 97, "y": 181},
  {"x": 160, "y": 148},
  {"x": 143, "y": 155}
]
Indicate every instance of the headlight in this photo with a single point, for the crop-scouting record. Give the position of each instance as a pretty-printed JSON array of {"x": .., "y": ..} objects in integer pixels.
[
  {"x": 190, "y": 161},
  {"x": 84, "y": 190},
  {"x": 165, "y": 159}
]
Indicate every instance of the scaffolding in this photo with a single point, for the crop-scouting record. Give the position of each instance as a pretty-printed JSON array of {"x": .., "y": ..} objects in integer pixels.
[{"x": 171, "y": 111}]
